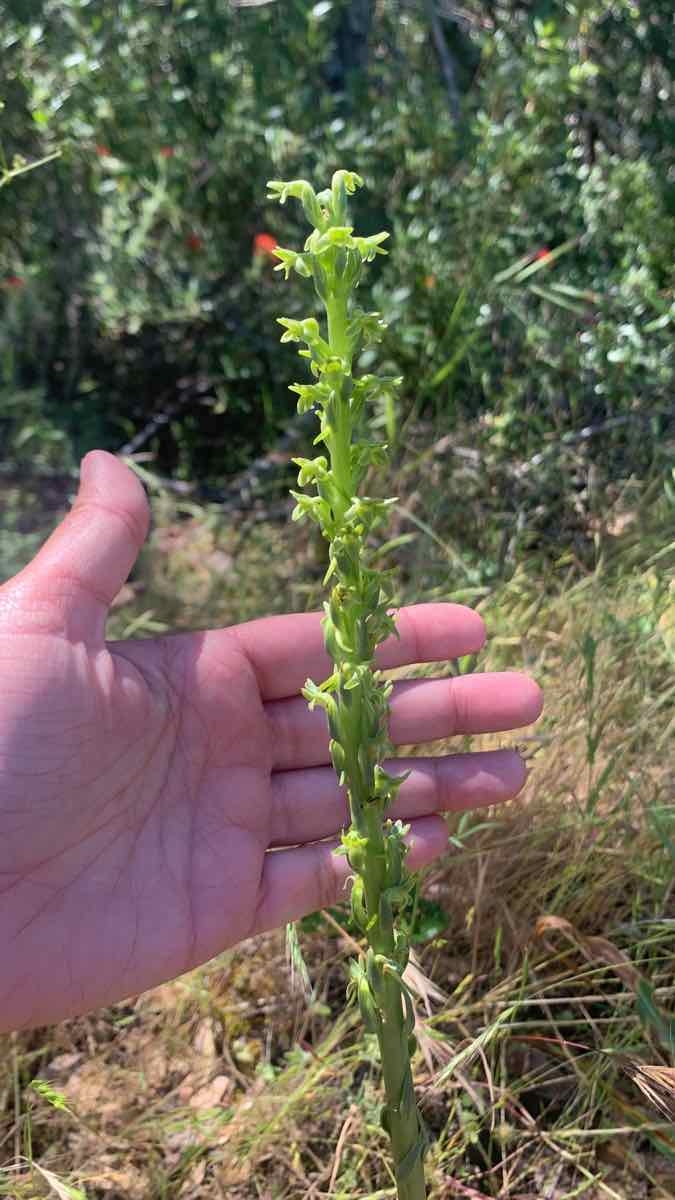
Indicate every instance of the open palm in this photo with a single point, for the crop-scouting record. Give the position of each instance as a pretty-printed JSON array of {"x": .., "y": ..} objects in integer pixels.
[{"x": 163, "y": 799}]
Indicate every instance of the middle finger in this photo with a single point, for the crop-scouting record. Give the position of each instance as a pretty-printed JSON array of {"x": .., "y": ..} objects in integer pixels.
[{"x": 422, "y": 710}]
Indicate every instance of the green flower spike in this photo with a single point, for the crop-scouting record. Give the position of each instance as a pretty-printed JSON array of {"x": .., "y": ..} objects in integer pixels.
[{"x": 357, "y": 618}]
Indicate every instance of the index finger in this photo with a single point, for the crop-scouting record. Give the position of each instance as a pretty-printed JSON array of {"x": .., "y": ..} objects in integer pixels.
[{"x": 285, "y": 650}]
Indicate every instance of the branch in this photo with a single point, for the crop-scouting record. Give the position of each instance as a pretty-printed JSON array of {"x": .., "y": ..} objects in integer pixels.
[{"x": 445, "y": 60}]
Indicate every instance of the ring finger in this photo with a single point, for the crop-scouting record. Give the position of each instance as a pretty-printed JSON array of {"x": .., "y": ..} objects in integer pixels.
[{"x": 309, "y": 805}]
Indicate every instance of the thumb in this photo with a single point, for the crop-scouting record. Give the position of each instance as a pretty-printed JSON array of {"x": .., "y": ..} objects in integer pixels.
[{"x": 69, "y": 585}]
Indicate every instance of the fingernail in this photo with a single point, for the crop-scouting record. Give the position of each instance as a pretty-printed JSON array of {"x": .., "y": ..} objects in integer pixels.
[{"x": 85, "y": 469}]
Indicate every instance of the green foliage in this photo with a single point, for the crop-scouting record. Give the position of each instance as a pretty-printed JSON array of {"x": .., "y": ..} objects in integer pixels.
[
  {"x": 553, "y": 186},
  {"x": 53, "y": 1097},
  {"x": 135, "y": 250}
]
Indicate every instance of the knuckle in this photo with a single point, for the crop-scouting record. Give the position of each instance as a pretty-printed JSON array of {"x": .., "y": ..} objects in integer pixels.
[
  {"x": 457, "y": 707},
  {"x": 326, "y": 882}
]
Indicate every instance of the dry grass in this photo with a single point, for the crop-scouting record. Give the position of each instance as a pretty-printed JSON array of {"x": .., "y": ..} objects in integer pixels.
[{"x": 545, "y": 998}]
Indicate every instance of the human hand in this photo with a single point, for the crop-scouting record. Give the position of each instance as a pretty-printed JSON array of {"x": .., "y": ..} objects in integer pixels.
[{"x": 161, "y": 800}]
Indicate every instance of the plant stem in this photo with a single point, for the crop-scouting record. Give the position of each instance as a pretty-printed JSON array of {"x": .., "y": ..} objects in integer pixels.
[
  {"x": 404, "y": 1122},
  {"x": 393, "y": 1037},
  {"x": 357, "y": 619},
  {"x": 402, "y": 1116}
]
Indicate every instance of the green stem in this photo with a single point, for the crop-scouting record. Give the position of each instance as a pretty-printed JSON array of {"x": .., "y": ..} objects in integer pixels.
[
  {"x": 402, "y": 1116},
  {"x": 339, "y": 441},
  {"x": 397, "y": 1073},
  {"x": 337, "y": 315},
  {"x": 357, "y": 620}
]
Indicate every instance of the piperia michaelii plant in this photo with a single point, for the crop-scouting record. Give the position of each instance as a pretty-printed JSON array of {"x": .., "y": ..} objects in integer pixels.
[{"x": 357, "y": 618}]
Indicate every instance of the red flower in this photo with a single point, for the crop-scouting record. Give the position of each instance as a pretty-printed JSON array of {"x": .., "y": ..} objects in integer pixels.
[
  {"x": 13, "y": 281},
  {"x": 103, "y": 151},
  {"x": 264, "y": 243},
  {"x": 167, "y": 152},
  {"x": 543, "y": 253},
  {"x": 194, "y": 242}
]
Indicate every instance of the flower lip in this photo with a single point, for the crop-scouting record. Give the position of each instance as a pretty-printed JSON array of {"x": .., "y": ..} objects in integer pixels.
[{"x": 14, "y": 281}]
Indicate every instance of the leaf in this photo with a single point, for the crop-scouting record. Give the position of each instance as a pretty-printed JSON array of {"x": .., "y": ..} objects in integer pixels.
[
  {"x": 300, "y": 980},
  {"x": 552, "y": 297},
  {"x": 593, "y": 948},
  {"x": 419, "y": 983},
  {"x": 662, "y": 819},
  {"x": 430, "y": 921},
  {"x": 652, "y": 1018},
  {"x": 599, "y": 949},
  {"x": 406, "y": 1166},
  {"x": 512, "y": 271},
  {"x": 50, "y": 1094},
  {"x": 661, "y": 322},
  {"x": 65, "y": 1191},
  {"x": 656, "y": 1083},
  {"x": 586, "y": 294},
  {"x": 452, "y": 364},
  {"x": 540, "y": 264},
  {"x": 465, "y": 1056}
]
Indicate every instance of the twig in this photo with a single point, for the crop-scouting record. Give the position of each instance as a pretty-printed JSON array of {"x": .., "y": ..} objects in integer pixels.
[
  {"x": 348, "y": 1122},
  {"x": 445, "y": 61},
  {"x": 189, "y": 388},
  {"x": 17, "y": 1101}
]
